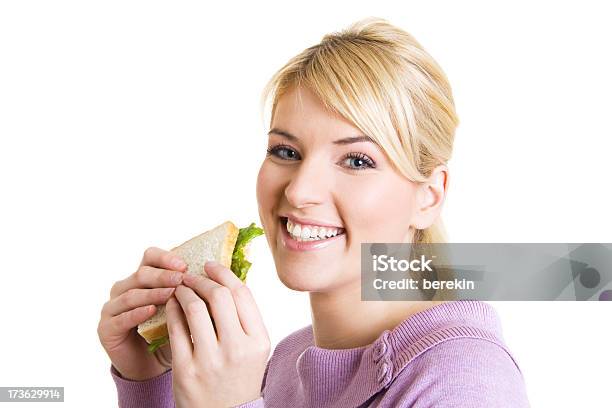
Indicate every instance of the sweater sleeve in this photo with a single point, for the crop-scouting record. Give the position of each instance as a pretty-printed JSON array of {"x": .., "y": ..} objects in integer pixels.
[
  {"x": 469, "y": 373},
  {"x": 157, "y": 392},
  {"x": 153, "y": 393},
  {"x": 258, "y": 403}
]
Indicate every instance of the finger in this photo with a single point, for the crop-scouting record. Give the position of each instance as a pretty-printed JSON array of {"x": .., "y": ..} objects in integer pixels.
[
  {"x": 221, "y": 274},
  {"x": 198, "y": 319},
  {"x": 134, "y": 298},
  {"x": 147, "y": 277},
  {"x": 246, "y": 307},
  {"x": 160, "y": 258},
  {"x": 221, "y": 304},
  {"x": 126, "y": 321},
  {"x": 178, "y": 331}
]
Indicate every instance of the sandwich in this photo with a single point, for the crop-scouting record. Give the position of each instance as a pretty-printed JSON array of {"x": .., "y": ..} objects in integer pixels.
[{"x": 225, "y": 244}]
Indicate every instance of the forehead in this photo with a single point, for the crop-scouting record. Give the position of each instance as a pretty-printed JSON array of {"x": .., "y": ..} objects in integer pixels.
[{"x": 300, "y": 112}]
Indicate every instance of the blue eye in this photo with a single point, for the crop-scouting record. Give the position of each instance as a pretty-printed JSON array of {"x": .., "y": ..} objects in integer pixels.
[
  {"x": 283, "y": 152},
  {"x": 353, "y": 161},
  {"x": 359, "y": 161}
]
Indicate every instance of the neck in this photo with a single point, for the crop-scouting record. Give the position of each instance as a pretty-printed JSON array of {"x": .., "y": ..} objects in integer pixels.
[{"x": 341, "y": 320}]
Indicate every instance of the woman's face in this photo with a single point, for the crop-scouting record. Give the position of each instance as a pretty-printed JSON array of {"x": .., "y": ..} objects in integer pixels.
[{"x": 320, "y": 173}]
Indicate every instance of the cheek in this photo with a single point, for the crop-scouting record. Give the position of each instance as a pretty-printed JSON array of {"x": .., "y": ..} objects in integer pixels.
[
  {"x": 261, "y": 186},
  {"x": 270, "y": 188},
  {"x": 265, "y": 202},
  {"x": 380, "y": 210},
  {"x": 266, "y": 187}
]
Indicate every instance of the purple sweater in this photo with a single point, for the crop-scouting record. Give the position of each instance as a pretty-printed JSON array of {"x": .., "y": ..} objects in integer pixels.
[{"x": 451, "y": 355}]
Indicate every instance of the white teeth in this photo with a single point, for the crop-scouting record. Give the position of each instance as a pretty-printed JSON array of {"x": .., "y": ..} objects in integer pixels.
[
  {"x": 321, "y": 232},
  {"x": 310, "y": 233}
]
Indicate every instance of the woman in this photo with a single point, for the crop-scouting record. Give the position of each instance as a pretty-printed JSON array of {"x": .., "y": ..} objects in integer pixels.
[{"x": 361, "y": 130}]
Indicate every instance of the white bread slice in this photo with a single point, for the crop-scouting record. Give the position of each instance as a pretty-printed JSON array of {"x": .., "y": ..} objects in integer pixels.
[{"x": 214, "y": 245}]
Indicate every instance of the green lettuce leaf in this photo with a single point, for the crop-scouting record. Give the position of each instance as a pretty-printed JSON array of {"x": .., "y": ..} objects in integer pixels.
[
  {"x": 240, "y": 266},
  {"x": 157, "y": 343}
]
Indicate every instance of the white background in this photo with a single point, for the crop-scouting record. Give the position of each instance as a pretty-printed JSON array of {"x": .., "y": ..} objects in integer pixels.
[{"x": 130, "y": 124}]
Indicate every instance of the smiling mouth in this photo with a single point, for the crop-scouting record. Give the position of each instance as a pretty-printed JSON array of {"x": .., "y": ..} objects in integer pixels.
[{"x": 302, "y": 232}]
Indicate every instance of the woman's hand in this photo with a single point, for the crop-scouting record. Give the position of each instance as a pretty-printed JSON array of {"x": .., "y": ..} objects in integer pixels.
[
  {"x": 223, "y": 369},
  {"x": 132, "y": 301}
]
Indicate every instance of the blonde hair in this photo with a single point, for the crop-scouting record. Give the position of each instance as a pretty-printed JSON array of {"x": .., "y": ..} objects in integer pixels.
[{"x": 379, "y": 78}]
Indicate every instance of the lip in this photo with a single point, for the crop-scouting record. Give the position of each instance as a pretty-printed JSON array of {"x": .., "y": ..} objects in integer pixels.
[
  {"x": 293, "y": 245},
  {"x": 306, "y": 221}
]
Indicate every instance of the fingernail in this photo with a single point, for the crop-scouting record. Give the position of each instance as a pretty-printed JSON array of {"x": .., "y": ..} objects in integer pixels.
[
  {"x": 212, "y": 264},
  {"x": 167, "y": 291},
  {"x": 177, "y": 277},
  {"x": 178, "y": 263}
]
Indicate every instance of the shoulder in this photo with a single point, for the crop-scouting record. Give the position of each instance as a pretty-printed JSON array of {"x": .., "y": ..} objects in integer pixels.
[
  {"x": 452, "y": 354},
  {"x": 471, "y": 372},
  {"x": 474, "y": 360}
]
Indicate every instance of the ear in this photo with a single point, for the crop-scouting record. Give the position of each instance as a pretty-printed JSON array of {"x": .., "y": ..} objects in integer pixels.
[{"x": 430, "y": 197}]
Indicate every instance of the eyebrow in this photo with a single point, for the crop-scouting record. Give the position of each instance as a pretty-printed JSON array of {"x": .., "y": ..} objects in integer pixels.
[{"x": 343, "y": 141}]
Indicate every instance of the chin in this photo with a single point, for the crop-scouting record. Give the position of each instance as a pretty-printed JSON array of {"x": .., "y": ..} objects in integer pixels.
[{"x": 305, "y": 279}]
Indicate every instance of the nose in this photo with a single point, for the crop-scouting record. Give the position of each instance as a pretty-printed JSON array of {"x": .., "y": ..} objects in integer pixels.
[{"x": 308, "y": 186}]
